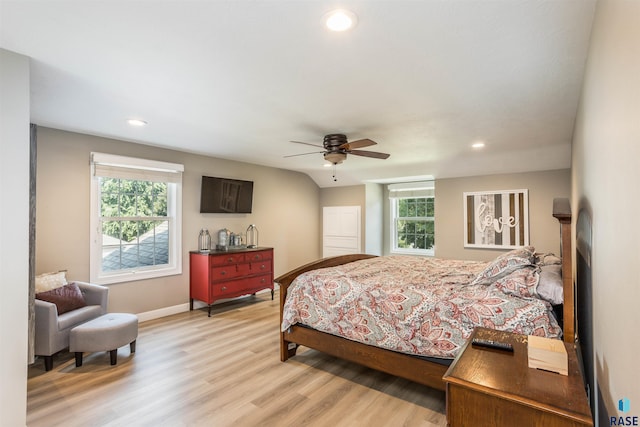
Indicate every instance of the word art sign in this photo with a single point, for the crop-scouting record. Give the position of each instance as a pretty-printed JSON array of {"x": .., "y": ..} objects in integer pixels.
[{"x": 496, "y": 219}]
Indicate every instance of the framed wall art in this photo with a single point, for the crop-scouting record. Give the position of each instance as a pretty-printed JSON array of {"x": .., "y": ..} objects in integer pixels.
[{"x": 496, "y": 219}]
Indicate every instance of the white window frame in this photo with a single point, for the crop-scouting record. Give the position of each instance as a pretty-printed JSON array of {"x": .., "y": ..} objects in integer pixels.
[
  {"x": 141, "y": 169},
  {"x": 410, "y": 190}
]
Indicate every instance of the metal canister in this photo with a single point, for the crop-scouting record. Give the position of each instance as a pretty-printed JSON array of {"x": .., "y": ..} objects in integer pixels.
[{"x": 223, "y": 237}]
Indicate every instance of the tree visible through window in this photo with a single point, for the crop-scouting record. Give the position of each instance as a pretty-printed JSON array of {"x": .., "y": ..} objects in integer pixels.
[
  {"x": 135, "y": 226},
  {"x": 136, "y": 217},
  {"x": 415, "y": 223},
  {"x": 412, "y": 211}
]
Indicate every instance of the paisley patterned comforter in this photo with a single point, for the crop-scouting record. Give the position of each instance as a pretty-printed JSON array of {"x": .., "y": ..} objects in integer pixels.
[{"x": 417, "y": 305}]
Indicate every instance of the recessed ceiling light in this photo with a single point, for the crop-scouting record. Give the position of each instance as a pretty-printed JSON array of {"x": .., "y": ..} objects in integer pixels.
[
  {"x": 478, "y": 144},
  {"x": 340, "y": 20},
  {"x": 136, "y": 122}
]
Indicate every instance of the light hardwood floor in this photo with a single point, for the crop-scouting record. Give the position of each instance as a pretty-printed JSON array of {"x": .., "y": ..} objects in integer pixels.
[{"x": 192, "y": 370}]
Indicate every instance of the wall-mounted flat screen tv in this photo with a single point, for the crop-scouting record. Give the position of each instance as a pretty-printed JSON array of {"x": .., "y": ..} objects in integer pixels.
[{"x": 223, "y": 195}]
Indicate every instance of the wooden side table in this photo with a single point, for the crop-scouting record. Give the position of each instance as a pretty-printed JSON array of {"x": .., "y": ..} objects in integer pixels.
[{"x": 487, "y": 387}]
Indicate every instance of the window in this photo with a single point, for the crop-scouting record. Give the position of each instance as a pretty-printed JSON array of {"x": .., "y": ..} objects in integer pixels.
[
  {"x": 412, "y": 217},
  {"x": 136, "y": 221}
]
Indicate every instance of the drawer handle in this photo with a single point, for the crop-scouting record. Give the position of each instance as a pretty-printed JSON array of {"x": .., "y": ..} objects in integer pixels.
[
  {"x": 262, "y": 267},
  {"x": 224, "y": 288},
  {"x": 256, "y": 257},
  {"x": 223, "y": 272},
  {"x": 263, "y": 280},
  {"x": 229, "y": 260}
]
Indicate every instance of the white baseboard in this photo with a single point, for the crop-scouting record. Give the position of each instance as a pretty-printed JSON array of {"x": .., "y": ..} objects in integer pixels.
[
  {"x": 180, "y": 308},
  {"x": 162, "y": 312}
]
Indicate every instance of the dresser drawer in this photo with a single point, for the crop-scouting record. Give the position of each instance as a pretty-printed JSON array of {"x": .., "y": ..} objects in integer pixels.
[
  {"x": 256, "y": 283},
  {"x": 241, "y": 286},
  {"x": 228, "y": 272},
  {"x": 221, "y": 290},
  {"x": 259, "y": 256},
  {"x": 226, "y": 259},
  {"x": 261, "y": 267}
]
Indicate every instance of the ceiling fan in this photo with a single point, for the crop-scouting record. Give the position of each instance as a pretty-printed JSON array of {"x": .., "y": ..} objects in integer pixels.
[{"x": 336, "y": 147}]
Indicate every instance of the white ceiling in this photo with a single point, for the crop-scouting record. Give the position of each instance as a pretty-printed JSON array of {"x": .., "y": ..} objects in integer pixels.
[{"x": 239, "y": 79}]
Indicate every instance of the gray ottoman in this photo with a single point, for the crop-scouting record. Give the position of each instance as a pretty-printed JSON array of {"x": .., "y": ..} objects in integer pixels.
[{"x": 105, "y": 333}]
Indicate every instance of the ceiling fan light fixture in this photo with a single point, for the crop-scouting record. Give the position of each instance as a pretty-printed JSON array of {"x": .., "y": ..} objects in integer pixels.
[
  {"x": 340, "y": 20},
  {"x": 335, "y": 158}
]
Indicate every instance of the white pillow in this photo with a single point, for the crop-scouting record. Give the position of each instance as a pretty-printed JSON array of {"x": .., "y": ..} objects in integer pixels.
[
  {"x": 48, "y": 281},
  {"x": 547, "y": 259},
  {"x": 550, "y": 284}
]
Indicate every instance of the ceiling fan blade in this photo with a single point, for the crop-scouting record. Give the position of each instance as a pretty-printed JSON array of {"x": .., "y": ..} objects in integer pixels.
[
  {"x": 304, "y": 154},
  {"x": 372, "y": 154},
  {"x": 307, "y": 143},
  {"x": 358, "y": 144}
]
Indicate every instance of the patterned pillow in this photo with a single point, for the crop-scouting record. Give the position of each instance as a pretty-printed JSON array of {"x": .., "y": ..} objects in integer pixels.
[
  {"x": 66, "y": 298},
  {"x": 48, "y": 281},
  {"x": 505, "y": 264},
  {"x": 521, "y": 283}
]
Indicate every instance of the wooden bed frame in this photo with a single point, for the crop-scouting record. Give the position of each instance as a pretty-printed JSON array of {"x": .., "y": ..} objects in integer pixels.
[{"x": 413, "y": 368}]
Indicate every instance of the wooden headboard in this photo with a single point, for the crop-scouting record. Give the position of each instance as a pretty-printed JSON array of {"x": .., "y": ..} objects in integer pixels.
[{"x": 562, "y": 212}]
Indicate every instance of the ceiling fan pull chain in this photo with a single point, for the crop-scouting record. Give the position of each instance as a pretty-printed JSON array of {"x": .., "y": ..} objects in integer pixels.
[{"x": 334, "y": 172}]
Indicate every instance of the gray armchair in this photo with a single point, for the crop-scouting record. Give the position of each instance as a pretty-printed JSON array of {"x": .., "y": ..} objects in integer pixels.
[{"x": 52, "y": 330}]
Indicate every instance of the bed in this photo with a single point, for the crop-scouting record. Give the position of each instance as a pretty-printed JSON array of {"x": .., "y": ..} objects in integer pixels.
[{"x": 309, "y": 305}]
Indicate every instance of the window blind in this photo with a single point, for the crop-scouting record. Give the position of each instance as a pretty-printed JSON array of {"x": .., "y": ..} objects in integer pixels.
[
  {"x": 113, "y": 166},
  {"x": 408, "y": 190}
]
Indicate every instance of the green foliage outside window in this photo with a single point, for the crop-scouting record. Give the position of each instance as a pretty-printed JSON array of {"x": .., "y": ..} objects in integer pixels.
[
  {"x": 415, "y": 223},
  {"x": 125, "y": 204}
]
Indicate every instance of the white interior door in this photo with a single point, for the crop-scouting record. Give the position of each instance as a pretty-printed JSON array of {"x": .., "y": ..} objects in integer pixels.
[{"x": 340, "y": 230}]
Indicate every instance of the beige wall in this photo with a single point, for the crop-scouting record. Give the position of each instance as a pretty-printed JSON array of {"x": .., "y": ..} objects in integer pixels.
[
  {"x": 605, "y": 176},
  {"x": 353, "y": 195},
  {"x": 543, "y": 227},
  {"x": 374, "y": 219},
  {"x": 285, "y": 210},
  {"x": 14, "y": 236}
]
